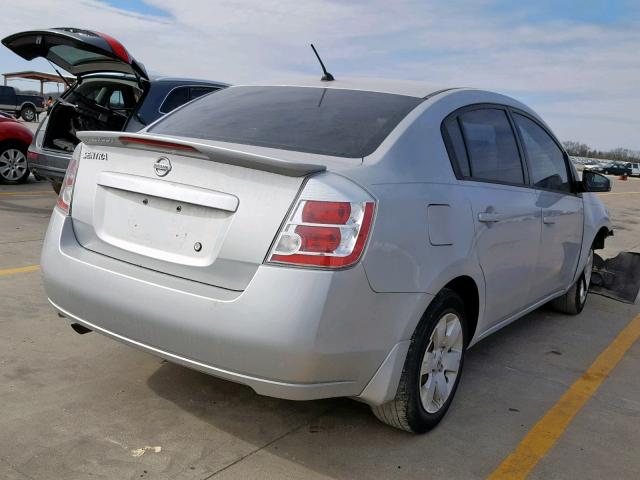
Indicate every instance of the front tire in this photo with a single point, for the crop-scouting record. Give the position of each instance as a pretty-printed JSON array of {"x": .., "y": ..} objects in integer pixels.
[
  {"x": 13, "y": 164},
  {"x": 575, "y": 299},
  {"x": 28, "y": 113},
  {"x": 432, "y": 368}
]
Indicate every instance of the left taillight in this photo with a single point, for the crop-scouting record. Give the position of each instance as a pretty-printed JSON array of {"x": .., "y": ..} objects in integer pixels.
[
  {"x": 66, "y": 191},
  {"x": 325, "y": 234}
]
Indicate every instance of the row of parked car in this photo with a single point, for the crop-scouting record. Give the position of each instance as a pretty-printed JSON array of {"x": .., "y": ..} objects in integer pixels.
[
  {"x": 310, "y": 239},
  {"x": 608, "y": 167}
]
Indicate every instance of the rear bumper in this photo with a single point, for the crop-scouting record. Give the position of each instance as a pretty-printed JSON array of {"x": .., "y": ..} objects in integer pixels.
[
  {"x": 51, "y": 166},
  {"x": 293, "y": 333}
]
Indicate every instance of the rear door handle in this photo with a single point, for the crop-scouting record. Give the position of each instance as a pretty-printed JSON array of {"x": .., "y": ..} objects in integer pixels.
[
  {"x": 548, "y": 220},
  {"x": 488, "y": 217}
]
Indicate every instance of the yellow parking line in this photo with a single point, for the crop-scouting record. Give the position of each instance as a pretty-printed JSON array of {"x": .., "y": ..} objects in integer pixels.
[
  {"x": 11, "y": 271},
  {"x": 546, "y": 432},
  {"x": 43, "y": 192}
]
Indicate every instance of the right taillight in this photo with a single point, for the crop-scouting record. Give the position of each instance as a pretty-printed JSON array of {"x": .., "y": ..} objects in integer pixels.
[
  {"x": 66, "y": 191},
  {"x": 324, "y": 234}
]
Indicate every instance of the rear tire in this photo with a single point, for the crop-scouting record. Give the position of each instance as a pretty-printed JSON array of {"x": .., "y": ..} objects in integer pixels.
[
  {"x": 575, "y": 299},
  {"x": 432, "y": 369},
  {"x": 28, "y": 113}
]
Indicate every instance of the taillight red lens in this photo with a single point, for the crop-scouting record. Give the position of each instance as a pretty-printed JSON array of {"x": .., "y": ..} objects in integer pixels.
[
  {"x": 326, "y": 212},
  {"x": 31, "y": 155},
  {"x": 318, "y": 239},
  {"x": 335, "y": 246},
  {"x": 66, "y": 191}
]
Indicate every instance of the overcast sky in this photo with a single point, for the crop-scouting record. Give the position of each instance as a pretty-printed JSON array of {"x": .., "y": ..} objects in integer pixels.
[{"x": 577, "y": 64}]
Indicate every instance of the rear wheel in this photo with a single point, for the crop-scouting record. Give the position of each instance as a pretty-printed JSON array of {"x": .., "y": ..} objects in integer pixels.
[
  {"x": 13, "y": 164},
  {"x": 574, "y": 300},
  {"x": 432, "y": 368},
  {"x": 28, "y": 113}
]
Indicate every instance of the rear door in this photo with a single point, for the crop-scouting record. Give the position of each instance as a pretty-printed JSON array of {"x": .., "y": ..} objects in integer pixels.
[
  {"x": 75, "y": 50},
  {"x": 507, "y": 220},
  {"x": 562, "y": 208}
]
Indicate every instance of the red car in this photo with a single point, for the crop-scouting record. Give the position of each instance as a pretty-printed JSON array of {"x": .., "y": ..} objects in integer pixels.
[{"x": 15, "y": 138}]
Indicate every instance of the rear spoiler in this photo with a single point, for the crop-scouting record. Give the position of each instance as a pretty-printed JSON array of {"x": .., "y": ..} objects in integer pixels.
[{"x": 193, "y": 148}]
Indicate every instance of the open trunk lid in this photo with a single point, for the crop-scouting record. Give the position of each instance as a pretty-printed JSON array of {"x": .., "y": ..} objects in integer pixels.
[
  {"x": 75, "y": 50},
  {"x": 188, "y": 209}
]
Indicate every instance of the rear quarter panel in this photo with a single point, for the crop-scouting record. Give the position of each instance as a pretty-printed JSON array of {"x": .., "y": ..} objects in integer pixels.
[{"x": 409, "y": 250}]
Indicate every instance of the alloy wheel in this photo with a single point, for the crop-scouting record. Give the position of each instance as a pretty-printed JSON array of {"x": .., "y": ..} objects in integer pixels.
[
  {"x": 441, "y": 363},
  {"x": 13, "y": 164},
  {"x": 28, "y": 115}
]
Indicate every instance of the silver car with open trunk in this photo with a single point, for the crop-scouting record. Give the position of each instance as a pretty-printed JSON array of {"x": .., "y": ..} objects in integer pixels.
[{"x": 343, "y": 238}]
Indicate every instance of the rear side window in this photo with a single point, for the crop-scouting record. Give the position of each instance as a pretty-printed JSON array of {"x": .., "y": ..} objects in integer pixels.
[
  {"x": 546, "y": 160},
  {"x": 181, "y": 95},
  {"x": 200, "y": 91},
  {"x": 327, "y": 121},
  {"x": 177, "y": 96},
  {"x": 491, "y": 146},
  {"x": 455, "y": 145}
]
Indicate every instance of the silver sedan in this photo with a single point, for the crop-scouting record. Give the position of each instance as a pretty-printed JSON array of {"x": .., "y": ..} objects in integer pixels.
[{"x": 333, "y": 238}]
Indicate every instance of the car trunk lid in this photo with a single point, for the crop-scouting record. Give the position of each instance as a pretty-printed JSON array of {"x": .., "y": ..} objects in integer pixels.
[
  {"x": 196, "y": 211},
  {"x": 76, "y": 50}
]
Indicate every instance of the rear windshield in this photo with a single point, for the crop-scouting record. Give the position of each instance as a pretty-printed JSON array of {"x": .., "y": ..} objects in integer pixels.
[{"x": 327, "y": 121}]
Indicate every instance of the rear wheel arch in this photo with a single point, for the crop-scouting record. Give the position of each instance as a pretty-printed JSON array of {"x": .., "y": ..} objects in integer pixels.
[
  {"x": 467, "y": 289},
  {"x": 23, "y": 147}
]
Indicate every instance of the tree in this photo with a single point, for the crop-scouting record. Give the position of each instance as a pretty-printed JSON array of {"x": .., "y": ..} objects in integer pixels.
[{"x": 578, "y": 149}]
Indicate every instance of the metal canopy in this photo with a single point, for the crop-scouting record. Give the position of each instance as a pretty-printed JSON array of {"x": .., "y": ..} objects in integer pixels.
[{"x": 39, "y": 76}]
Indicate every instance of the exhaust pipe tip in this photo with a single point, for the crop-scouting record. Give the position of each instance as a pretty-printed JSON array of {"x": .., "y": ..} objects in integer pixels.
[{"x": 80, "y": 329}]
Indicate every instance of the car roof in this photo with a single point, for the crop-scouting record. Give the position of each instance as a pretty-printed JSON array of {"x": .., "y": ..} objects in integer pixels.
[
  {"x": 411, "y": 88},
  {"x": 188, "y": 80},
  {"x": 156, "y": 79}
]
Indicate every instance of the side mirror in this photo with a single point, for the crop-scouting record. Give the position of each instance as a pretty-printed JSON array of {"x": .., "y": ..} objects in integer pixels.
[{"x": 594, "y": 182}]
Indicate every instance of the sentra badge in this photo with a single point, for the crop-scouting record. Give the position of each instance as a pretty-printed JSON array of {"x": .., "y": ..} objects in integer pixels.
[{"x": 102, "y": 156}]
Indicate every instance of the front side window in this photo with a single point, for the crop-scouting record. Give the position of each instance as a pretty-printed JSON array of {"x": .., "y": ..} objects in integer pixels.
[
  {"x": 546, "y": 160},
  {"x": 491, "y": 146}
]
